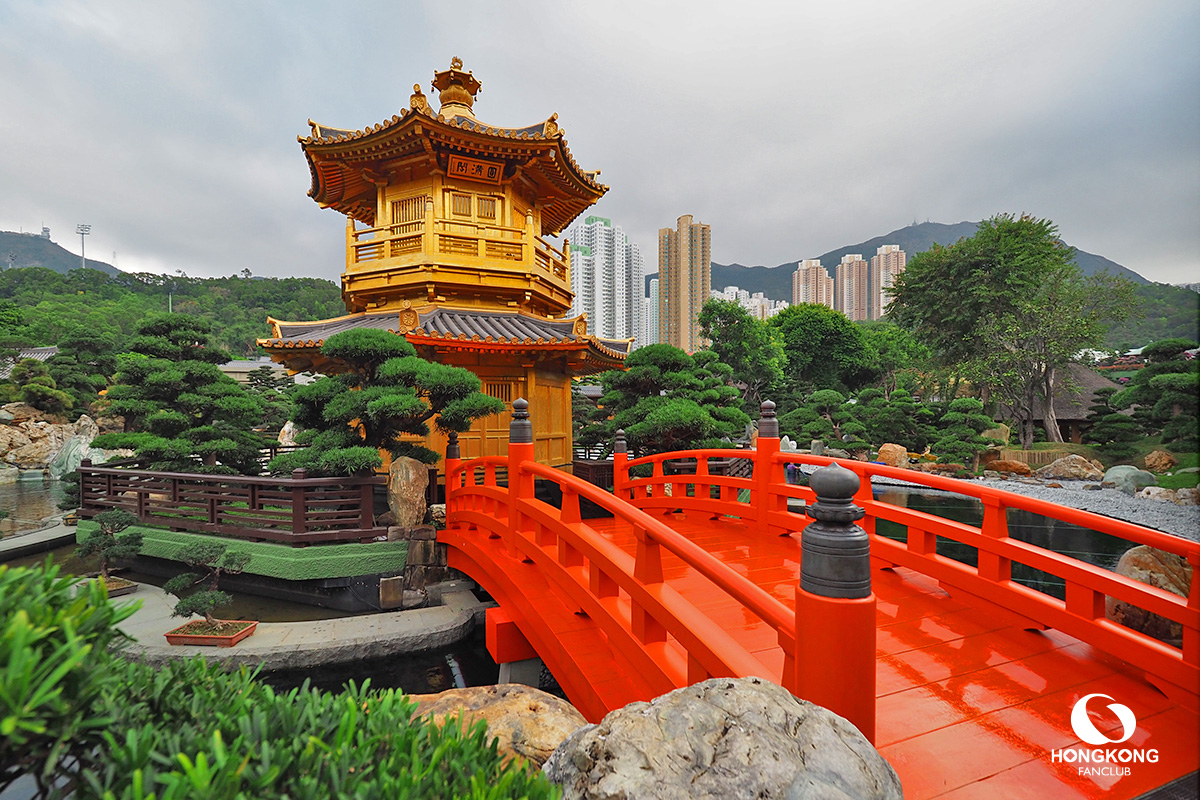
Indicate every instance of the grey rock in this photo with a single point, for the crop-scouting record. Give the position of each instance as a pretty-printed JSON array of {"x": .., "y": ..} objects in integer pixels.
[
  {"x": 1128, "y": 479},
  {"x": 724, "y": 739},
  {"x": 6, "y": 417},
  {"x": 1092, "y": 487}
]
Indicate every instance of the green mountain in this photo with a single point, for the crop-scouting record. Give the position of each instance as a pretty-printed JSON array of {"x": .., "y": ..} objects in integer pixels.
[{"x": 34, "y": 250}]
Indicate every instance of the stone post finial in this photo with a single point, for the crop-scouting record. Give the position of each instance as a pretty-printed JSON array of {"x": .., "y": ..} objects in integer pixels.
[
  {"x": 835, "y": 554},
  {"x": 520, "y": 430},
  {"x": 619, "y": 444},
  {"x": 452, "y": 450},
  {"x": 768, "y": 424}
]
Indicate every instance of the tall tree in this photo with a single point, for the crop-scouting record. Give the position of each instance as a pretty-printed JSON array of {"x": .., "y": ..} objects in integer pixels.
[
  {"x": 824, "y": 349},
  {"x": 750, "y": 347},
  {"x": 386, "y": 398},
  {"x": 1011, "y": 309}
]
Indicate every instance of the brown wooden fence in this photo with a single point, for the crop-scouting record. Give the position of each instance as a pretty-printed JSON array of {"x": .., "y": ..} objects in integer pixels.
[
  {"x": 297, "y": 510},
  {"x": 1034, "y": 458}
]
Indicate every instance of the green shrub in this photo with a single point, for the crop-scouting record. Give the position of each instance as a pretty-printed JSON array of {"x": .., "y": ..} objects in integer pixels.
[
  {"x": 56, "y": 690},
  {"x": 90, "y": 723}
]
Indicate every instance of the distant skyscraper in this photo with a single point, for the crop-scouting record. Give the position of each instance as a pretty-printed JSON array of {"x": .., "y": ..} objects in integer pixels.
[
  {"x": 886, "y": 265},
  {"x": 811, "y": 284},
  {"x": 607, "y": 278},
  {"x": 852, "y": 287},
  {"x": 650, "y": 316},
  {"x": 685, "y": 282}
]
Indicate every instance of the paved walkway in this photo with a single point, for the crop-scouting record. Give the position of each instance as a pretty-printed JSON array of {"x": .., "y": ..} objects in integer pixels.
[
  {"x": 286, "y": 645},
  {"x": 289, "y": 645}
]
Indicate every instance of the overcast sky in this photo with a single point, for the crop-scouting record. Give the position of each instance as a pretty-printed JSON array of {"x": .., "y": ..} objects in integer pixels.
[{"x": 791, "y": 128}]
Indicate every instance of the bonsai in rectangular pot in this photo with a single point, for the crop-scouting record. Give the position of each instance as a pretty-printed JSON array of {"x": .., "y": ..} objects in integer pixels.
[{"x": 211, "y": 561}]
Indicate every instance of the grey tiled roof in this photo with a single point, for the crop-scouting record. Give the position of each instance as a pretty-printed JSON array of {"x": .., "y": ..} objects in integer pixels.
[
  {"x": 500, "y": 326},
  {"x": 36, "y": 353}
]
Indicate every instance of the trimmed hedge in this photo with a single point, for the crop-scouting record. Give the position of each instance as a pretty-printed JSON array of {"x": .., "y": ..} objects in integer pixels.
[{"x": 280, "y": 560}]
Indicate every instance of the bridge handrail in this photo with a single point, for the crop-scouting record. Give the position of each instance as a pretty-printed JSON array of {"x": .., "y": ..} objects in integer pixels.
[
  {"x": 739, "y": 587},
  {"x": 1082, "y": 613}
]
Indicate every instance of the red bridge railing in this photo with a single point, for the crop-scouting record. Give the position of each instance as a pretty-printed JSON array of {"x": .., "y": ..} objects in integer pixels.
[{"x": 640, "y": 611}]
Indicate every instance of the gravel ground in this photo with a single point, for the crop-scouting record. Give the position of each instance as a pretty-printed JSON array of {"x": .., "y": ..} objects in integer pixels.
[{"x": 1182, "y": 521}]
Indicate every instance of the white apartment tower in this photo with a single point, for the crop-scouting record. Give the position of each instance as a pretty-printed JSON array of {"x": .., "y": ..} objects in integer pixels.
[
  {"x": 811, "y": 284},
  {"x": 650, "y": 316},
  {"x": 607, "y": 278},
  {"x": 852, "y": 289},
  {"x": 886, "y": 266}
]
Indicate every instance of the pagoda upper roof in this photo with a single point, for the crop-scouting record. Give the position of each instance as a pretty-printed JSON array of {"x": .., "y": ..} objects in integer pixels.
[
  {"x": 472, "y": 329},
  {"x": 347, "y": 164}
]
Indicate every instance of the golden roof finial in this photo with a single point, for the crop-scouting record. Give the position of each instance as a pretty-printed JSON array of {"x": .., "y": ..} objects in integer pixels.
[
  {"x": 419, "y": 102},
  {"x": 457, "y": 90}
]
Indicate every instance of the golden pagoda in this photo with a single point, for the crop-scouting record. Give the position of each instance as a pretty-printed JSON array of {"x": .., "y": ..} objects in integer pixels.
[{"x": 444, "y": 223}]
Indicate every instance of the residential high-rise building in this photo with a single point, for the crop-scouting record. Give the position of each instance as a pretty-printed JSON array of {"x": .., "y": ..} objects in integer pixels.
[
  {"x": 852, "y": 289},
  {"x": 811, "y": 284},
  {"x": 685, "y": 281},
  {"x": 650, "y": 316},
  {"x": 886, "y": 265},
  {"x": 607, "y": 276}
]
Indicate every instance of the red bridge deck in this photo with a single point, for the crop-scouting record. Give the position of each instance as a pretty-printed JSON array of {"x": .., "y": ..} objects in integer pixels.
[
  {"x": 970, "y": 704},
  {"x": 975, "y": 677}
]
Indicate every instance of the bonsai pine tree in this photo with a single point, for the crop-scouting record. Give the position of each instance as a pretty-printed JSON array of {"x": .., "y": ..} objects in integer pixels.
[
  {"x": 106, "y": 544},
  {"x": 211, "y": 560},
  {"x": 667, "y": 400},
  {"x": 385, "y": 398},
  {"x": 1113, "y": 431},
  {"x": 961, "y": 426},
  {"x": 1165, "y": 394},
  {"x": 38, "y": 389},
  {"x": 81, "y": 368},
  {"x": 181, "y": 413}
]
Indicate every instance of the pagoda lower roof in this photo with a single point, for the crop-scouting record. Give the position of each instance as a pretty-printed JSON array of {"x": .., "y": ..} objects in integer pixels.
[{"x": 469, "y": 329}]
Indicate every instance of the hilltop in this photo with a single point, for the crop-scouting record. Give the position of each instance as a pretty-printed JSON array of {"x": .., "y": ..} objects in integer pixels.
[{"x": 34, "y": 250}]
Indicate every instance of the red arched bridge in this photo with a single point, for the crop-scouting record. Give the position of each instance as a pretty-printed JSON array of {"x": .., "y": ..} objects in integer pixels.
[{"x": 965, "y": 679}]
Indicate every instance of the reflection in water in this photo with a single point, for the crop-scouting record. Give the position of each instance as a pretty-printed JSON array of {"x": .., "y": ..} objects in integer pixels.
[
  {"x": 28, "y": 503},
  {"x": 1094, "y": 548}
]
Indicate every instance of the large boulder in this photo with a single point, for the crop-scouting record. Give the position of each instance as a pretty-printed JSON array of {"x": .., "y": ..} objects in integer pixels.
[
  {"x": 1070, "y": 468},
  {"x": 408, "y": 480},
  {"x": 77, "y": 448},
  {"x": 287, "y": 434},
  {"x": 1160, "y": 461},
  {"x": 722, "y": 739},
  {"x": 1158, "y": 493},
  {"x": 528, "y": 723},
  {"x": 1158, "y": 568},
  {"x": 1128, "y": 479},
  {"x": 894, "y": 455},
  {"x": 1010, "y": 467}
]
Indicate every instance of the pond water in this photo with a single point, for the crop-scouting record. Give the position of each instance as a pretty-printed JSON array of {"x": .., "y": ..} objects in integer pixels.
[
  {"x": 1095, "y": 548},
  {"x": 27, "y": 503}
]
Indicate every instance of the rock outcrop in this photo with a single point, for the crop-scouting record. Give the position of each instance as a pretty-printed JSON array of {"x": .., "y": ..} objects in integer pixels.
[
  {"x": 1160, "y": 461},
  {"x": 1157, "y": 568},
  {"x": 1010, "y": 467},
  {"x": 894, "y": 455},
  {"x": 723, "y": 739},
  {"x": 29, "y": 440},
  {"x": 527, "y": 723},
  {"x": 408, "y": 480},
  {"x": 1128, "y": 479},
  {"x": 1071, "y": 468}
]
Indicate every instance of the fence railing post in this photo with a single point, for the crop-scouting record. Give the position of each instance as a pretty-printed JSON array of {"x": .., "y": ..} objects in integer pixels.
[
  {"x": 520, "y": 450},
  {"x": 299, "y": 502},
  {"x": 765, "y": 469},
  {"x": 620, "y": 465},
  {"x": 834, "y": 660}
]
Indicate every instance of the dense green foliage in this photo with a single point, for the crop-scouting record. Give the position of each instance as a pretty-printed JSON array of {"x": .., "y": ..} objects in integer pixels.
[
  {"x": 1161, "y": 312},
  {"x": 1165, "y": 395},
  {"x": 750, "y": 347},
  {"x": 40, "y": 307},
  {"x": 667, "y": 400},
  {"x": 1010, "y": 310},
  {"x": 1113, "y": 431},
  {"x": 58, "y": 696},
  {"x": 387, "y": 396},
  {"x": 824, "y": 349},
  {"x": 91, "y": 724},
  {"x": 961, "y": 427},
  {"x": 182, "y": 414}
]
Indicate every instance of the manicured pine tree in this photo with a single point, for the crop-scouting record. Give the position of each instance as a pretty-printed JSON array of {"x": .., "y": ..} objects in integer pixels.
[
  {"x": 960, "y": 441},
  {"x": 386, "y": 397}
]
